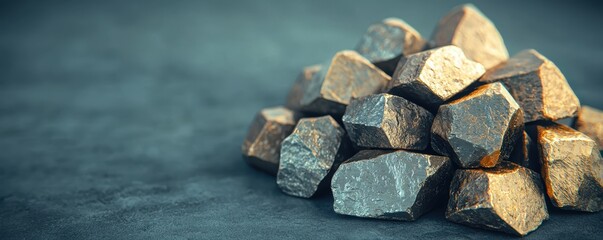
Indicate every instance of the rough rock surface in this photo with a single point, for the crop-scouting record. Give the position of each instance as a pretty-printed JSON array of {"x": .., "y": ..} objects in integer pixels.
[
  {"x": 348, "y": 75},
  {"x": 299, "y": 86},
  {"x": 316, "y": 146},
  {"x": 525, "y": 152},
  {"x": 468, "y": 28},
  {"x": 385, "y": 42},
  {"x": 590, "y": 122},
  {"x": 537, "y": 85},
  {"x": 507, "y": 198},
  {"x": 572, "y": 168},
  {"x": 396, "y": 185},
  {"x": 480, "y": 129},
  {"x": 261, "y": 147},
  {"x": 431, "y": 77},
  {"x": 388, "y": 122}
]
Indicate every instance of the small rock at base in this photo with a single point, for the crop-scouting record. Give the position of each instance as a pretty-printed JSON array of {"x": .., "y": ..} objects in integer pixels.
[
  {"x": 572, "y": 168},
  {"x": 507, "y": 198},
  {"x": 261, "y": 148}
]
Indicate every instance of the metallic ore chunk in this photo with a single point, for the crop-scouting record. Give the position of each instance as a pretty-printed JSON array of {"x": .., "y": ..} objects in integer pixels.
[
  {"x": 507, "y": 198},
  {"x": 538, "y": 86},
  {"x": 301, "y": 83},
  {"x": 387, "y": 121},
  {"x": 262, "y": 145},
  {"x": 590, "y": 122},
  {"x": 384, "y": 43},
  {"x": 468, "y": 28},
  {"x": 431, "y": 77},
  {"x": 316, "y": 146},
  {"x": 348, "y": 76},
  {"x": 480, "y": 129},
  {"x": 572, "y": 168},
  {"x": 396, "y": 185}
]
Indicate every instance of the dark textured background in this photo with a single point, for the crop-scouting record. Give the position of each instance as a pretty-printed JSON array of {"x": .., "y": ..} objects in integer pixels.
[{"x": 124, "y": 119}]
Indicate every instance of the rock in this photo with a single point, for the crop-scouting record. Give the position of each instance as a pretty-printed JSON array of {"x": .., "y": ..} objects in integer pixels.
[
  {"x": 507, "y": 198},
  {"x": 590, "y": 122},
  {"x": 261, "y": 147},
  {"x": 431, "y": 77},
  {"x": 347, "y": 76},
  {"x": 537, "y": 85},
  {"x": 480, "y": 129},
  {"x": 299, "y": 86},
  {"x": 385, "y": 42},
  {"x": 525, "y": 153},
  {"x": 468, "y": 28},
  {"x": 572, "y": 168},
  {"x": 388, "y": 122},
  {"x": 397, "y": 185},
  {"x": 315, "y": 148}
]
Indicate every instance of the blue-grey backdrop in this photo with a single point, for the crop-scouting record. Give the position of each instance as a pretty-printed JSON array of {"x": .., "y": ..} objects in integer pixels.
[{"x": 124, "y": 119}]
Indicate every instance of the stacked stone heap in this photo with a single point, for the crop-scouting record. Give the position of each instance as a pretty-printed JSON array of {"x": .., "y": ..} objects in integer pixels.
[{"x": 401, "y": 124}]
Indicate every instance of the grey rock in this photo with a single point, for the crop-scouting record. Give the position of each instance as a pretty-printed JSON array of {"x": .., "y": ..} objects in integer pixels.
[
  {"x": 480, "y": 129},
  {"x": 315, "y": 148},
  {"x": 385, "y": 42},
  {"x": 388, "y": 122},
  {"x": 431, "y": 77},
  {"x": 397, "y": 185},
  {"x": 348, "y": 75},
  {"x": 261, "y": 147},
  {"x": 299, "y": 86},
  {"x": 507, "y": 198}
]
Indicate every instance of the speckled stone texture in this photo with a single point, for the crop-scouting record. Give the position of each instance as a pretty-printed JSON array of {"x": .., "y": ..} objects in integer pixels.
[
  {"x": 397, "y": 185},
  {"x": 124, "y": 119},
  {"x": 314, "y": 149},
  {"x": 572, "y": 168},
  {"x": 507, "y": 198},
  {"x": 299, "y": 86},
  {"x": 385, "y": 42},
  {"x": 590, "y": 122},
  {"x": 537, "y": 85},
  {"x": 431, "y": 77},
  {"x": 347, "y": 75},
  {"x": 468, "y": 28},
  {"x": 387, "y": 122},
  {"x": 479, "y": 129},
  {"x": 262, "y": 145}
]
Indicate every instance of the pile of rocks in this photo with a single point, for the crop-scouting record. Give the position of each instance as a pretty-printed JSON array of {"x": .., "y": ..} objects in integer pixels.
[{"x": 401, "y": 124}]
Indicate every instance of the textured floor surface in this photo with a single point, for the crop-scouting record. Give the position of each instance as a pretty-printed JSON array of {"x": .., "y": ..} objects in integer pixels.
[{"x": 124, "y": 120}]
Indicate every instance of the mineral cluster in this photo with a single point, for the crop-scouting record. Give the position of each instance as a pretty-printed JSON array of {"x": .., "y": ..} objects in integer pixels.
[{"x": 402, "y": 125}]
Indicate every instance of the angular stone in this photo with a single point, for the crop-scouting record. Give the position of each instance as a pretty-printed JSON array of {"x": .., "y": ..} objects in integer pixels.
[
  {"x": 388, "y": 122},
  {"x": 348, "y": 75},
  {"x": 314, "y": 149},
  {"x": 468, "y": 28},
  {"x": 396, "y": 185},
  {"x": 261, "y": 148},
  {"x": 590, "y": 122},
  {"x": 572, "y": 168},
  {"x": 537, "y": 85},
  {"x": 480, "y": 129},
  {"x": 431, "y": 77},
  {"x": 299, "y": 86},
  {"x": 507, "y": 198},
  {"x": 385, "y": 42},
  {"x": 524, "y": 153}
]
